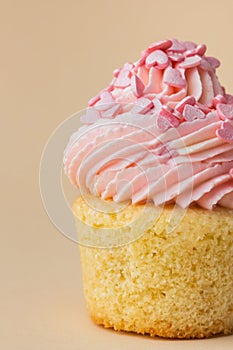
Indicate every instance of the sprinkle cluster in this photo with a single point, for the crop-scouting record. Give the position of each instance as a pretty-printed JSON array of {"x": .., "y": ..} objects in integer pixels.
[{"x": 173, "y": 80}]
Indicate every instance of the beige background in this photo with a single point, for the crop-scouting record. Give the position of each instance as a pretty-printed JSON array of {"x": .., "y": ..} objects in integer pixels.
[{"x": 55, "y": 55}]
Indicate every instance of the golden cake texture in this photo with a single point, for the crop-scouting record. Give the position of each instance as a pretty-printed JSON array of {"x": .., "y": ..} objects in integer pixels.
[{"x": 174, "y": 279}]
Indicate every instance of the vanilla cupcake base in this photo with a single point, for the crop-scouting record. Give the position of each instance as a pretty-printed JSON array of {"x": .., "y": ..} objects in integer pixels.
[{"x": 174, "y": 283}]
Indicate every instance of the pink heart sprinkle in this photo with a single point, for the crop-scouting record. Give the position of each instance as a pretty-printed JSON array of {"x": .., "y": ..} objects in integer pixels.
[
  {"x": 226, "y": 132},
  {"x": 190, "y": 62},
  {"x": 189, "y": 45},
  {"x": 137, "y": 86},
  {"x": 157, "y": 58},
  {"x": 199, "y": 50},
  {"x": 214, "y": 62},
  {"x": 112, "y": 112},
  {"x": 177, "y": 46},
  {"x": 128, "y": 66},
  {"x": 225, "y": 111},
  {"x": 106, "y": 96},
  {"x": 162, "y": 123},
  {"x": 166, "y": 120},
  {"x": 106, "y": 101},
  {"x": 142, "y": 105},
  {"x": 191, "y": 113},
  {"x": 91, "y": 116},
  {"x": 173, "y": 77},
  {"x": 218, "y": 99},
  {"x": 205, "y": 65},
  {"x": 189, "y": 100},
  {"x": 159, "y": 45},
  {"x": 123, "y": 79}
]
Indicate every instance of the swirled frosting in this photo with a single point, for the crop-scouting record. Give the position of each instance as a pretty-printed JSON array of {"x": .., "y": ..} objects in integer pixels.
[{"x": 161, "y": 132}]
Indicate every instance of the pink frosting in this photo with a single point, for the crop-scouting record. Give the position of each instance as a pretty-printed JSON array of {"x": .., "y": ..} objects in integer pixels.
[{"x": 161, "y": 132}]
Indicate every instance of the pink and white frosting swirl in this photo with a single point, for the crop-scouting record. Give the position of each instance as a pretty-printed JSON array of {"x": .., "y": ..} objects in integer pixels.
[{"x": 161, "y": 132}]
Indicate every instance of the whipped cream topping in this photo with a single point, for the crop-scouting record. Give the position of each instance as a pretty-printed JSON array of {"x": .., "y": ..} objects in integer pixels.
[{"x": 161, "y": 132}]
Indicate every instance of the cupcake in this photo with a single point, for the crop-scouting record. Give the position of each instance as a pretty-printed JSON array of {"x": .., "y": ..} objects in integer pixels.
[{"x": 153, "y": 163}]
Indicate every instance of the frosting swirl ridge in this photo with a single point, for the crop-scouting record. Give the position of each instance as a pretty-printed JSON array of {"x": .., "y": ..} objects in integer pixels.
[{"x": 131, "y": 159}]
